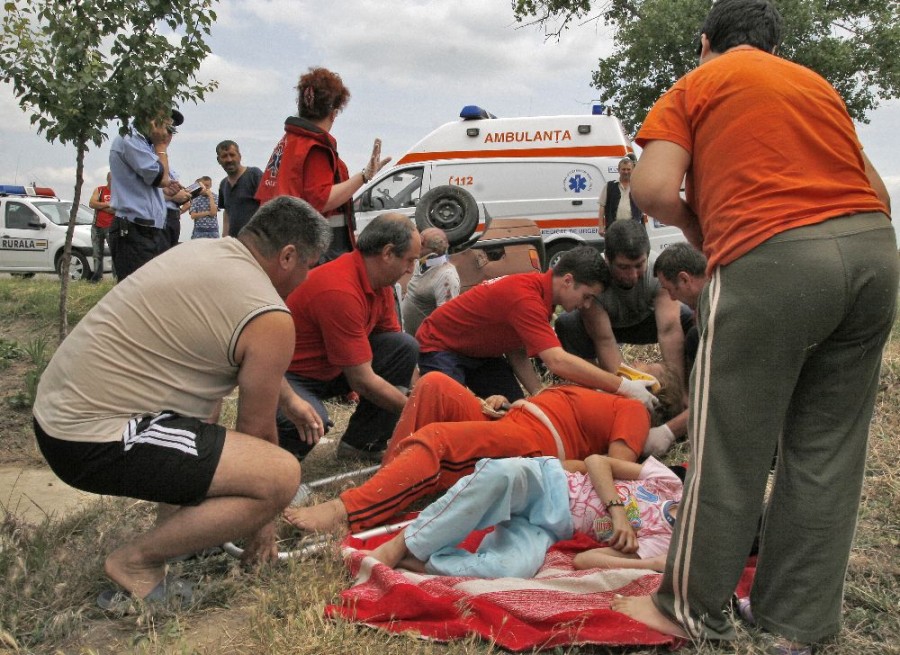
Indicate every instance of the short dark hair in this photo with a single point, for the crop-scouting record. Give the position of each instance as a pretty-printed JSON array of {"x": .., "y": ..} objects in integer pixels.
[
  {"x": 585, "y": 264},
  {"x": 680, "y": 258},
  {"x": 225, "y": 145},
  {"x": 389, "y": 228},
  {"x": 732, "y": 23},
  {"x": 627, "y": 237},
  {"x": 288, "y": 221}
]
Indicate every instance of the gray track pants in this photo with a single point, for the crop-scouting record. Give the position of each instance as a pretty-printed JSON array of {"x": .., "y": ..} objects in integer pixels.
[{"x": 790, "y": 350}]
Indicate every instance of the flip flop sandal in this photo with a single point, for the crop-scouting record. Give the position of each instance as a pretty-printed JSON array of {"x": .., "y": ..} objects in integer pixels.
[{"x": 170, "y": 591}]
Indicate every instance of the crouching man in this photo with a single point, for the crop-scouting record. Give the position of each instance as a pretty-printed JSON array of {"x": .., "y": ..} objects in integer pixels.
[{"x": 158, "y": 353}]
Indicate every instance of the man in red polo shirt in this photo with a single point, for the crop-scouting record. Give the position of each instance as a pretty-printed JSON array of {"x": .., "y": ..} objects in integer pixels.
[
  {"x": 348, "y": 338},
  {"x": 484, "y": 337}
]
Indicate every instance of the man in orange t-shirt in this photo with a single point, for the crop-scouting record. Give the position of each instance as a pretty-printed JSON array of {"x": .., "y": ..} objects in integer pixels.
[{"x": 803, "y": 269}]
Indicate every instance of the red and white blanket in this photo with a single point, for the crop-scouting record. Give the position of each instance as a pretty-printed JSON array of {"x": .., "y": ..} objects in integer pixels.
[{"x": 558, "y": 607}]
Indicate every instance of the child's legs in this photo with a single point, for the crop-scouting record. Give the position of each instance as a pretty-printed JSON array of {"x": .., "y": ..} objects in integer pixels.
[
  {"x": 435, "y": 457},
  {"x": 515, "y": 549},
  {"x": 497, "y": 491}
]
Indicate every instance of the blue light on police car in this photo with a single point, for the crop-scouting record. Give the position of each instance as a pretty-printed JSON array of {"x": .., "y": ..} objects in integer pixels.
[{"x": 12, "y": 189}]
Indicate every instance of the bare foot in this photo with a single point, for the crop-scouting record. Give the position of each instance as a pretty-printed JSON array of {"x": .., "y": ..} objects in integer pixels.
[
  {"x": 391, "y": 552},
  {"x": 641, "y": 608},
  {"x": 330, "y": 516},
  {"x": 133, "y": 575}
]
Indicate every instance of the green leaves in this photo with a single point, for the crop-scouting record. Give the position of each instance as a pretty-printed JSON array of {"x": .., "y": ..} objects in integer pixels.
[
  {"x": 78, "y": 64},
  {"x": 854, "y": 44}
]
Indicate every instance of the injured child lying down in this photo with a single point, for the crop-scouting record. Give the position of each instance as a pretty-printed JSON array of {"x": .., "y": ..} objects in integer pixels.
[{"x": 532, "y": 503}]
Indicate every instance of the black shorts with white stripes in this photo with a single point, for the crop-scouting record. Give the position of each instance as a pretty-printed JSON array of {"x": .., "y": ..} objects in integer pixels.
[{"x": 165, "y": 458}]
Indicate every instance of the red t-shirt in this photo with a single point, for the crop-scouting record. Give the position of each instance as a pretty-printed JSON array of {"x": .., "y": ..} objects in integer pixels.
[
  {"x": 103, "y": 218},
  {"x": 334, "y": 311},
  {"x": 772, "y": 149},
  {"x": 493, "y": 318}
]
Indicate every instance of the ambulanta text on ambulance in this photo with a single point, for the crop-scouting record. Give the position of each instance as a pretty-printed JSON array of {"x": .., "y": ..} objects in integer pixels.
[{"x": 549, "y": 169}]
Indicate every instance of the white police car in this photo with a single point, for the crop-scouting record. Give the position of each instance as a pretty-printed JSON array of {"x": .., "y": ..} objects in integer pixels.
[{"x": 33, "y": 223}]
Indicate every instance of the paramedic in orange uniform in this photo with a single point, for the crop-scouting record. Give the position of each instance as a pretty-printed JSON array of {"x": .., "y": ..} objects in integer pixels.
[{"x": 425, "y": 457}]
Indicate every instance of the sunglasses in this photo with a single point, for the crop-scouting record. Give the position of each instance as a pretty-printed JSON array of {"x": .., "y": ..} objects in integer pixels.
[{"x": 171, "y": 129}]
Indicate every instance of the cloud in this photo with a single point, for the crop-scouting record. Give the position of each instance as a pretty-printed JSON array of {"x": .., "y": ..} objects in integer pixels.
[
  {"x": 433, "y": 47},
  {"x": 238, "y": 81},
  {"x": 892, "y": 182},
  {"x": 13, "y": 118},
  {"x": 409, "y": 66}
]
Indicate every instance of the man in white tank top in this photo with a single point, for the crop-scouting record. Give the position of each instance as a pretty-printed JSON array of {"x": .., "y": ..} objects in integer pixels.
[{"x": 158, "y": 353}]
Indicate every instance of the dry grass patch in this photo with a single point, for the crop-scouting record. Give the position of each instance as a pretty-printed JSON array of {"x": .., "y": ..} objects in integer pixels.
[{"x": 51, "y": 573}]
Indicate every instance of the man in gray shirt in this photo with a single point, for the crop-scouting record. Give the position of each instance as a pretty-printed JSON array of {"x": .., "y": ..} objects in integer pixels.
[
  {"x": 237, "y": 191},
  {"x": 633, "y": 309}
]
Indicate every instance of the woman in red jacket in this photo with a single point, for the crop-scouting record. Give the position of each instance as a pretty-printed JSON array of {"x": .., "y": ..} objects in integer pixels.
[{"x": 305, "y": 163}]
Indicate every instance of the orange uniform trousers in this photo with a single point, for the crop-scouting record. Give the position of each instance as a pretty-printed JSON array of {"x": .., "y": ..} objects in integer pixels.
[{"x": 443, "y": 432}]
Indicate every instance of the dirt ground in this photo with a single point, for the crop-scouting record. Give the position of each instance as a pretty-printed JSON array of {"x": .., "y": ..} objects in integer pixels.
[
  {"x": 28, "y": 490},
  {"x": 33, "y": 494}
]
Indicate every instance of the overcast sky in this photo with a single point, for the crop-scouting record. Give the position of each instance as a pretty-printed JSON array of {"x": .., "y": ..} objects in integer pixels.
[{"x": 409, "y": 67}]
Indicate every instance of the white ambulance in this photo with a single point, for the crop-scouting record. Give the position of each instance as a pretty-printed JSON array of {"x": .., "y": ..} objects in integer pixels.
[
  {"x": 33, "y": 224},
  {"x": 549, "y": 169}
]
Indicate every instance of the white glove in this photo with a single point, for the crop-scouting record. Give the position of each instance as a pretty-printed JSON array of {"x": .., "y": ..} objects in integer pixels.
[
  {"x": 637, "y": 389},
  {"x": 659, "y": 440}
]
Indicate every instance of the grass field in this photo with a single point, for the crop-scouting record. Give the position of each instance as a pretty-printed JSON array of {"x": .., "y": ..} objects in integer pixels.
[{"x": 52, "y": 571}]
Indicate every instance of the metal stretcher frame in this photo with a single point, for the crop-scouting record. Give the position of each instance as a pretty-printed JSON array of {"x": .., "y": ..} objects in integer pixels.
[{"x": 304, "y": 491}]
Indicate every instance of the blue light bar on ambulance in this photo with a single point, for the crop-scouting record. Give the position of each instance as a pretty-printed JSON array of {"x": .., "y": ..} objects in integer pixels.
[
  {"x": 597, "y": 110},
  {"x": 474, "y": 113}
]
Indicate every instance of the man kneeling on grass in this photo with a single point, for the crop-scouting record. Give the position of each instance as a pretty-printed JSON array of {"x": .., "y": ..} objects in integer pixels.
[
  {"x": 532, "y": 504},
  {"x": 158, "y": 353}
]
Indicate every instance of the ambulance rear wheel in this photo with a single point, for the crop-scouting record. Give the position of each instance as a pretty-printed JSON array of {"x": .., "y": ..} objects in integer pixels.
[
  {"x": 79, "y": 269},
  {"x": 556, "y": 251},
  {"x": 451, "y": 209}
]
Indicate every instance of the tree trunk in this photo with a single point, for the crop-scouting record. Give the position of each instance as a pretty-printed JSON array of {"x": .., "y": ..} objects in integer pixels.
[{"x": 81, "y": 148}]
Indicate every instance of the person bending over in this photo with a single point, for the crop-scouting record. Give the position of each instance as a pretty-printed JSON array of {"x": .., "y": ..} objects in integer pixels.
[{"x": 158, "y": 353}]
